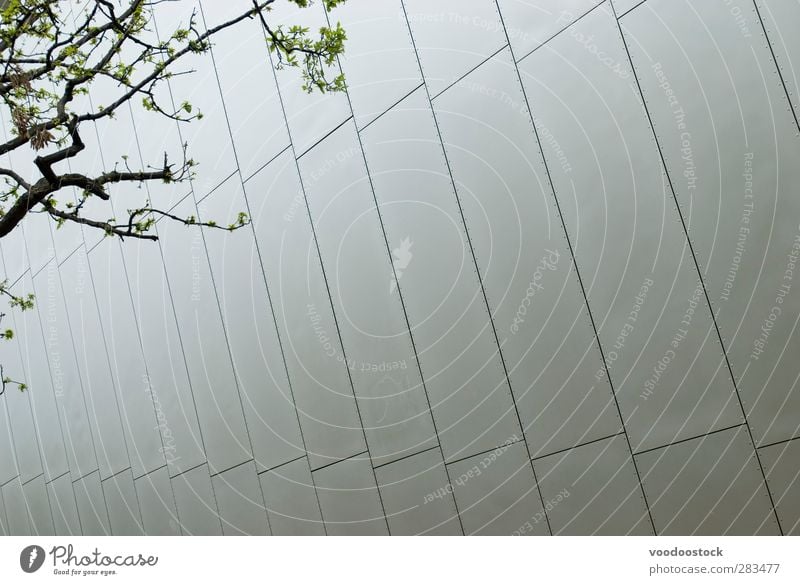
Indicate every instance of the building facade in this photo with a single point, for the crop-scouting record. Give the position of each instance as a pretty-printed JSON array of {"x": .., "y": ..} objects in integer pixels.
[{"x": 534, "y": 273}]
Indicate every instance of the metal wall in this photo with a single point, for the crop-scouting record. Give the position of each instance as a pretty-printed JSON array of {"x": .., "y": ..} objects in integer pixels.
[{"x": 535, "y": 273}]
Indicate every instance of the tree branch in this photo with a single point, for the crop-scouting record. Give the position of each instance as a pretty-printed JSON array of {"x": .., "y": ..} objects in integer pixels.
[
  {"x": 48, "y": 57},
  {"x": 20, "y": 181}
]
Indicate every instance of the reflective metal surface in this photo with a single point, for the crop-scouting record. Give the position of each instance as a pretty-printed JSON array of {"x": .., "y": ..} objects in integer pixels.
[{"x": 534, "y": 273}]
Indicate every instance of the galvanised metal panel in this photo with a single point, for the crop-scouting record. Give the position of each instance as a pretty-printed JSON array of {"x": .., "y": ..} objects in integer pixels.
[
  {"x": 157, "y": 503},
  {"x": 416, "y": 496},
  {"x": 92, "y": 505},
  {"x": 16, "y": 509},
  {"x": 349, "y": 498},
  {"x": 107, "y": 142},
  {"x": 15, "y": 255},
  {"x": 778, "y": 17},
  {"x": 35, "y": 240},
  {"x": 63, "y": 506},
  {"x": 8, "y": 464},
  {"x": 321, "y": 387},
  {"x": 27, "y": 463},
  {"x": 453, "y": 36},
  {"x": 167, "y": 384},
  {"x": 3, "y": 517},
  {"x": 38, "y": 506},
  {"x": 529, "y": 23},
  {"x": 78, "y": 433},
  {"x": 458, "y": 352},
  {"x": 130, "y": 377},
  {"x": 525, "y": 261},
  {"x": 378, "y": 350},
  {"x": 264, "y": 391},
  {"x": 69, "y": 237},
  {"x": 497, "y": 494},
  {"x": 693, "y": 487},
  {"x": 593, "y": 489},
  {"x": 310, "y": 116},
  {"x": 15, "y": 252},
  {"x": 378, "y": 75},
  {"x": 92, "y": 358},
  {"x": 656, "y": 330},
  {"x": 123, "y": 506},
  {"x": 203, "y": 340},
  {"x": 34, "y": 371},
  {"x": 197, "y": 507},
  {"x": 292, "y": 500},
  {"x": 242, "y": 64},
  {"x": 30, "y": 245},
  {"x": 153, "y": 140},
  {"x": 240, "y": 503},
  {"x": 623, "y": 6},
  {"x": 38, "y": 241},
  {"x": 733, "y": 163},
  {"x": 783, "y": 477},
  {"x": 208, "y": 138}
]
